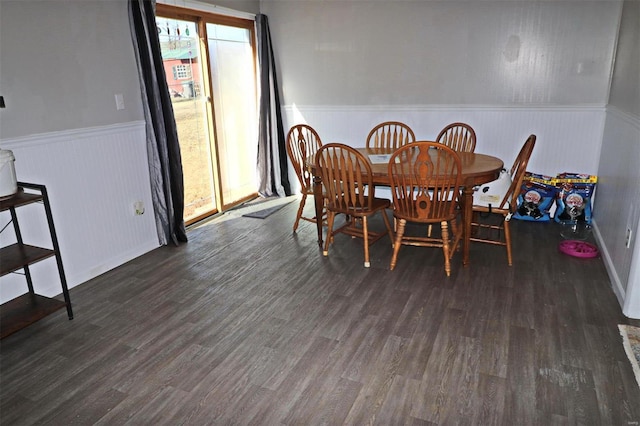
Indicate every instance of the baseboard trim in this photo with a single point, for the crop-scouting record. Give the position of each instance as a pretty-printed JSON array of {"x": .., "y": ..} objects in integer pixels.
[{"x": 616, "y": 284}]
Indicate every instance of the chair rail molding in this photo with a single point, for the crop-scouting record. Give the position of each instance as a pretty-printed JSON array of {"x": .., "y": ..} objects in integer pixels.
[{"x": 64, "y": 136}]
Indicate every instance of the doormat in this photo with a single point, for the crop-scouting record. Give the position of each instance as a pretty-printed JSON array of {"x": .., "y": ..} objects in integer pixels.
[
  {"x": 262, "y": 214},
  {"x": 631, "y": 341}
]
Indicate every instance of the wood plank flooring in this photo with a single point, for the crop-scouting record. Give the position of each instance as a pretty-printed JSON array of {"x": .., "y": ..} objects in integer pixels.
[{"x": 248, "y": 324}]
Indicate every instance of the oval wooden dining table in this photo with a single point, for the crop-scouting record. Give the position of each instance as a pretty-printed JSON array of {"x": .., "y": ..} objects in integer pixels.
[{"x": 476, "y": 170}]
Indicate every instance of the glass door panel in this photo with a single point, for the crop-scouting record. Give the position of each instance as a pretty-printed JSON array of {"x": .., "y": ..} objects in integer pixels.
[
  {"x": 181, "y": 56},
  {"x": 232, "y": 69}
]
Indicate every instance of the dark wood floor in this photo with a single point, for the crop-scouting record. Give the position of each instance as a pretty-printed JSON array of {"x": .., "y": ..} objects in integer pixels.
[{"x": 250, "y": 324}]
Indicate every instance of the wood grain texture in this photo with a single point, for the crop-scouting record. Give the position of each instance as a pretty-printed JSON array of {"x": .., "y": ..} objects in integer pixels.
[{"x": 249, "y": 324}]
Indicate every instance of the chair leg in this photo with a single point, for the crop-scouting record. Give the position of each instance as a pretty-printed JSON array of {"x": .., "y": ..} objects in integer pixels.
[
  {"x": 365, "y": 234},
  {"x": 387, "y": 223},
  {"x": 475, "y": 221},
  {"x": 445, "y": 247},
  {"x": 330, "y": 217},
  {"x": 457, "y": 236},
  {"x": 398, "y": 243},
  {"x": 300, "y": 210},
  {"x": 507, "y": 239}
]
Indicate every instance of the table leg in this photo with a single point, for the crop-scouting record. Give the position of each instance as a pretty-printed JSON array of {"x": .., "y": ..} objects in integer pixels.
[
  {"x": 467, "y": 214},
  {"x": 319, "y": 203}
]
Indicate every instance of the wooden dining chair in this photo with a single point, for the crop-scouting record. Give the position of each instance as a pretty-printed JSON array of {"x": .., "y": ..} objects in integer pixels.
[
  {"x": 484, "y": 228},
  {"x": 425, "y": 186},
  {"x": 390, "y": 134},
  {"x": 302, "y": 142},
  {"x": 458, "y": 136},
  {"x": 345, "y": 173}
]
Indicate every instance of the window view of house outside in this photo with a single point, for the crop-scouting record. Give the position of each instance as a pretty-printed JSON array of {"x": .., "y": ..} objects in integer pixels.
[{"x": 180, "y": 53}]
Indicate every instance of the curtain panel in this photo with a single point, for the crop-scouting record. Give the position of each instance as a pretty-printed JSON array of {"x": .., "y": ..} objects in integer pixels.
[
  {"x": 163, "y": 150},
  {"x": 273, "y": 171}
]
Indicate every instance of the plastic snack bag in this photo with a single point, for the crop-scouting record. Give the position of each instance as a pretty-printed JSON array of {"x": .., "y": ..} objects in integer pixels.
[
  {"x": 537, "y": 195},
  {"x": 575, "y": 192}
]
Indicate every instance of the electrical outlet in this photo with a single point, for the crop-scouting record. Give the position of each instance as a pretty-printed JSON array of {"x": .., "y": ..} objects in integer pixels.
[
  {"x": 627, "y": 241},
  {"x": 138, "y": 207}
]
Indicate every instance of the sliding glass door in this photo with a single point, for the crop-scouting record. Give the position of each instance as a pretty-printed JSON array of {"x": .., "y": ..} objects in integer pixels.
[{"x": 210, "y": 71}]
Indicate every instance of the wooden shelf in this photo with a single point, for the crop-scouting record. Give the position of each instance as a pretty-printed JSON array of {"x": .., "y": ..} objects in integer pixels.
[
  {"x": 17, "y": 255},
  {"x": 30, "y": 307},
  {"x": 20, "y": 198},
  {"x": 25, "y": 310}
]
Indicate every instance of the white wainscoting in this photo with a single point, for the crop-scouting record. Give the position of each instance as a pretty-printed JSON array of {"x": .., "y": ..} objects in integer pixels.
[
  {"x": 568, "y": 138},
  {"x": 93, "y": 177}
]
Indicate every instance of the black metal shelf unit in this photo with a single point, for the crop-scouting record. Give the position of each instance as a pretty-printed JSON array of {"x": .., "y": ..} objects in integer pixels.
[{"x": 29, "y": 307}]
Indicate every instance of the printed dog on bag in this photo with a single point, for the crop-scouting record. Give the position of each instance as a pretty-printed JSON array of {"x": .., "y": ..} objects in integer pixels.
[
  {"x": 531, "y": 205},
  {"x": 574, "y": 204},
  {"x": 574, "y": 198},
  {"x": 536, "y": 197}
]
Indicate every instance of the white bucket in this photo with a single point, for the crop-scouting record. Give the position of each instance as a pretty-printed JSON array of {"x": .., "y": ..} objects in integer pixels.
[{"x": 8, "y": 181}]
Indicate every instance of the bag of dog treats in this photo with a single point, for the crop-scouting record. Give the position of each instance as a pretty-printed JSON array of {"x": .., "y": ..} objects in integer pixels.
[
  {"x": 575, "y": 192},
  {"x": 537, "y": 195}
]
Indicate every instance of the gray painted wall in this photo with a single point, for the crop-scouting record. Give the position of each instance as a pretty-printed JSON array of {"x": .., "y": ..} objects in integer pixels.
[
  {"x": 444, "y": 52},
  {"x": 250, "y": 6},
  {"x": 62, "y": 62},
  {"x": 625, "y": 84},
  {"x": 618, "y": 196},
  {"x": 62, "y": 70}
]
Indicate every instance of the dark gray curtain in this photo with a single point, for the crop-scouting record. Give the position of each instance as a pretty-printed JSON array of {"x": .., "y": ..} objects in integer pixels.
[
  {"x": 272, "y": 153},
  {"x": 165, "y": 162}
]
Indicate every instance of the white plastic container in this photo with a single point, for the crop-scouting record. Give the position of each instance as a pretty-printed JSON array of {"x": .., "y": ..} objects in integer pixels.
[{"x": 8, "y": 181}]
